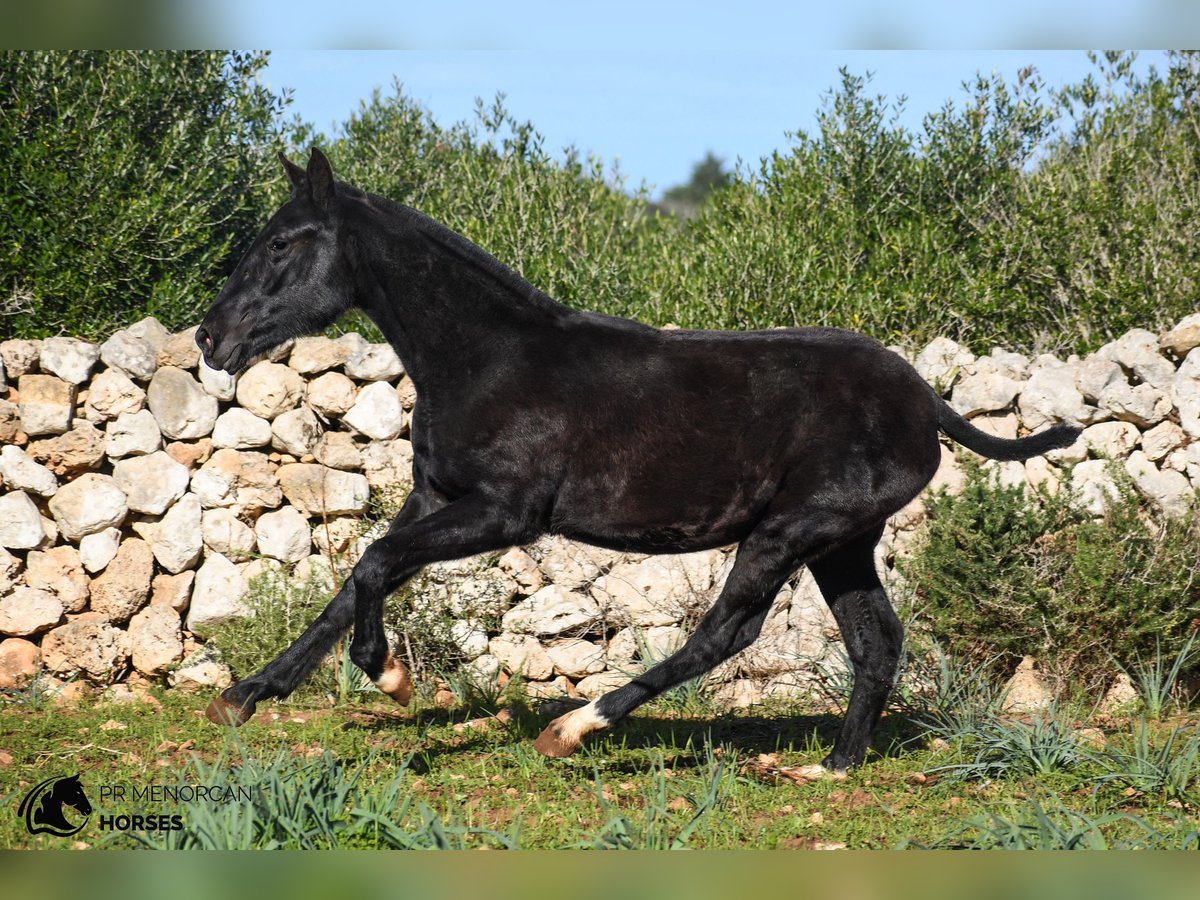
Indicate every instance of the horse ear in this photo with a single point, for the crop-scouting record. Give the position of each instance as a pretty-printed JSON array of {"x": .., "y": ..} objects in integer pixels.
[
  {"x": 295, "y": 174},
  {"x": 320, "y": 179}
]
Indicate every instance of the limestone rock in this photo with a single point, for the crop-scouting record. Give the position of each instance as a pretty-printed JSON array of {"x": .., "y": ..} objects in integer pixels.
[
  {"x": 182, "y": 408},
  {"x": 522, "y": 568},
  {"x": 217, "y": 382},
  {"x": 374, "y": 362},
  {"x": 1168, "y": 490},
  {"x": 377, "y": 412},
  {"x": 1144, "y": 405},
  {"x": 1095, "y": 486},
  {"x": 151, "y": 483},
  {"x": 470, "y": 637},
  {"x": 520, "y": 653},
  {"x": 216, "y": 594},
  {"x": 1094, "y": 374},
  {"x": 311, "y": 355},
  {"x": 267, "y": 389},
  {"x": 1050, "y": 396},
  {"x": 20, "y": 522},
  {"x": 595, "y": 686},
  {"x": 407, "y": 392},
  {"x": 132, "y": 434},
  {"x": 331, "y": 394},
  {"x": 283, "y": 535},
  {"x": 1160, "y": 440},
  {"x": 941, "y": 360},
  {"x": 69, "y": 358},
  {"x": 97, "y": 550},
  {"x": 96, "y": 650},
  {"x": 1138, "y": 352},
  {"x": 155, "y": 639},
  {"x": 190, "y": 453},
  {"x": 180, "y": 350},
  {"x": 1025, "y": 692},
  {"x": 387, "y": 463},
  {"x": 571, "y": 565},
  {"x": 742, "y": 693},
  {"x": 1121, "y": 696},
  {"x": 1183, "y": 338},
  {"x": 124, "y": 586},
  {"x": 202, "y": 669},
  {"x": 336, "y": 534},
  {"x": 111, "y": 393},
  {"x": 239, "y": 479},
  {"x": 337, "y": 450},
  {"x": 135, "y": 354},
  {"x": 10, "y": 422},
  {"x": 47, "y": 404},
  {"x": 1185, "y": 392},
  {"x": 20, "y": 661},
  {"x": 241, "y": 430},
  {"x": 318, "y": 490},
  {"x": 20, "y": 357},
  {"x": 59, "y": 571},
  {"x": 71, "y": 454},
  {"x": 552, "y": 610},
  {"x": 649, "y": 592},
  {"x": 576, "y": 658},
  {"x": 1111, "y": 439},
  {"x": 23, "y": 474},
  {"x": 10, "y": 566},
  {"x": 228, "y": 535},
  {"x": 29, "y": 611},
  {"x": 295, "y": 431},
  {"x": 174, "y": 591},
  {"x": 178, "y": 540},
  {"x": 982, "y": 391}
]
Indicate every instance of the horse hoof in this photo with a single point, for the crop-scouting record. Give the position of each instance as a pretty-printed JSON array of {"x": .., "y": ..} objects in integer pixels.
[
  {"x": 552, "y": 743},
  {"x": 222, "y": 712},
  {"x": 563, "y": 736},
  {"x": 395, "y": 681}
]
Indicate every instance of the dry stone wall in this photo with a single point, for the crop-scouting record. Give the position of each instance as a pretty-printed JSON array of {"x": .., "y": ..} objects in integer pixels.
[{"x": 141, "y": 491}]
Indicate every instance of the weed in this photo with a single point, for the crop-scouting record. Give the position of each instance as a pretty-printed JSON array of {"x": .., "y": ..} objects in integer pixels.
[
  {"x": 655, "y": 829},
  {"x": 1156, "y": 681},
  {"x": 1169, "y": 768}
]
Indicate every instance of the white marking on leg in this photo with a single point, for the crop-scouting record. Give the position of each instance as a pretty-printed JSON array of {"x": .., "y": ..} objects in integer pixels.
[{"x": 578, "y": 723}]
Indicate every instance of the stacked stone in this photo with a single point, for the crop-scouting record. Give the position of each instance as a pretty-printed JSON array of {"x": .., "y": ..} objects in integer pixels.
[{"x": 141, "y": 490}]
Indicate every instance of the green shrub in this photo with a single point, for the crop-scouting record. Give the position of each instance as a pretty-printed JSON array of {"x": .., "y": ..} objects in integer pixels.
[
  {"x": 280, "y": 608},
  {"x": 1000, "y": 572},
  {"x": 130, "y": 182}
]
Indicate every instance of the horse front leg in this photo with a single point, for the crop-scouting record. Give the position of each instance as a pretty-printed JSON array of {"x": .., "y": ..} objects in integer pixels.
[{"x": 466, "y": 527}]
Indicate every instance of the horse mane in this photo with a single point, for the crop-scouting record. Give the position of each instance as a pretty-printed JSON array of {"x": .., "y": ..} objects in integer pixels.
[{"x": 463, "y": 249}]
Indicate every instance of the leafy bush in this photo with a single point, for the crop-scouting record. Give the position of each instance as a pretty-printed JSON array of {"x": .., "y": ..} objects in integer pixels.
[
  {"x": 281, "y": 607},
  {"x": 129, "y": 184},
  {"x": 1042, "y": 218},
  {"x": 1003, "y": 573}
]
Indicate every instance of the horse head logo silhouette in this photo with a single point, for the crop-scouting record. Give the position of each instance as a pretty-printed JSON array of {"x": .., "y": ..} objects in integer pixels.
[{"x": 43, "y": 806}]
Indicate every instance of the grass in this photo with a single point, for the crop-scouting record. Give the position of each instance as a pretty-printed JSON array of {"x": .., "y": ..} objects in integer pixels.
[{"x": 363, "y": 773}]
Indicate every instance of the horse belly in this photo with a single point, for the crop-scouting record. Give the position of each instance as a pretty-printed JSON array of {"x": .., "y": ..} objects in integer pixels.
[{"x": 687, "y": 495}]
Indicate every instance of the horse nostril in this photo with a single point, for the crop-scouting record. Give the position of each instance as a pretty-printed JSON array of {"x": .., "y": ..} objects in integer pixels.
[{"x": 204, "y": 339}]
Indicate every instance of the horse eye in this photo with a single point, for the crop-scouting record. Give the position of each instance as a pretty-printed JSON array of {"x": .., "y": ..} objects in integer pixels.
[{"x": 278, "y": 245}]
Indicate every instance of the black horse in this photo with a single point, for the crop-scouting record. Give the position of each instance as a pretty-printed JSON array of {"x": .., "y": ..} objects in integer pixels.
[
  {"x": 796, "y": 444},
  {"x": 43, "y": 806}
]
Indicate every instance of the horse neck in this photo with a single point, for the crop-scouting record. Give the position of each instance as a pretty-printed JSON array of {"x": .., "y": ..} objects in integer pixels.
[{"x": 452, "y": 312}]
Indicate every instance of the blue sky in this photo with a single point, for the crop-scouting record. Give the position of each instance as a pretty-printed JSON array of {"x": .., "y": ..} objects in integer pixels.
[{"x": 654, "y": 112}]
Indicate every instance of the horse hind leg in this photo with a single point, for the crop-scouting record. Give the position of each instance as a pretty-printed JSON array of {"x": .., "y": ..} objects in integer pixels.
[
  {"x": 759, "y": 571},
  {"x": 873, "y": 636}
]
